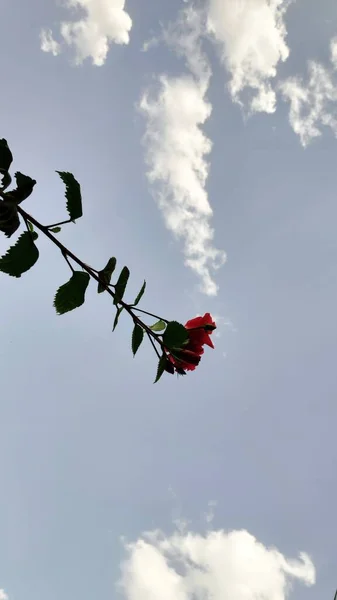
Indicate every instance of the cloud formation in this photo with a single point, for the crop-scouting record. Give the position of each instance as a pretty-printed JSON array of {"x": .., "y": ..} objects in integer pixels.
[
  {"x": 333, "y": 52},
  {"x": 176, "y": 109},
  {"x": 3, "y": 595},
  {"x": 251, "y": 35},
  {"x": 48, "y": 44},
  {"x": 99, "y": 23},
  {"x": 219, "y": 565},
  {"x": 313, "y": 102}
]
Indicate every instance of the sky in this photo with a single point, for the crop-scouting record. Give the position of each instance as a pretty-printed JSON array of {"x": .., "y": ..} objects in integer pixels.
[{"x": 204, "y": 138}]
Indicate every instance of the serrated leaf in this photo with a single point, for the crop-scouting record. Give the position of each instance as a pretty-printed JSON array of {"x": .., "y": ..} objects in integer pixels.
[
  {"x": 159, "y": 326},
  {"x": 119, "y": 310},
  {"x": 21, "y": 257},
  {"x": 106, "y": 274},
  {"x": 55, "y": 229},
  {"x": 24, "y": 188},
  {"x": 175, "y": 335},
  {"x": 71, "y": 295},
  {"x": 137, "y": 338},
  {"x": 6, "y": 156},
  {"x": 9, "y": 218},
  {"x": 73, "y": 194},
  {"x": 161, "y": 367},
  {"x": 140, "y": 295},
  {"x": 121, "y": 285}
]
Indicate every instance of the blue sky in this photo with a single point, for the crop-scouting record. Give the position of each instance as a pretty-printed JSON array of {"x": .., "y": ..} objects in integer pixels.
[{"x": 199, "y": 133}]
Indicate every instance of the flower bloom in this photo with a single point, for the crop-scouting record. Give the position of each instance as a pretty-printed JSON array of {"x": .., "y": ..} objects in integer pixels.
[{"x": 199, "y": 332}]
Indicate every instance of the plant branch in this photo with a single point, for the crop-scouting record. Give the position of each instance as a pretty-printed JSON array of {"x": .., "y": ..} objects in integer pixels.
[{"x": 92, "y": 272}]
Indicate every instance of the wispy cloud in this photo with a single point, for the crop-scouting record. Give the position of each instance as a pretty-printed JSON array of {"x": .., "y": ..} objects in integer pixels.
[
  {"x": 99, "y": 23},
  {"x": 176, "y": 108},
  {"x": 48, "y": 44},
  {"x": 219, "y": 565},
  {"x": 313, "y": 102},
  {"x": 3, "y": 595},
  {"x": 333, "y": 52},
  {"x": 252, "y": 39}
]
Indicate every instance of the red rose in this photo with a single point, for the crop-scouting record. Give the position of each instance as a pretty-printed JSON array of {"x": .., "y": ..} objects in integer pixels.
[{"x": 199, "y": 331}]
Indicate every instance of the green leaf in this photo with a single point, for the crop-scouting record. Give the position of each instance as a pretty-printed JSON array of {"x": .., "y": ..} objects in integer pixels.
[
  {"x": 140, "y": 295},
  {"x": 106, "y": 274},
  {"x": 55, "y": 229},
  {"x": 121, "y": 285},
  {"x": 24, "y": 188},
  {"x": 137, "y": 337},
  {"x": 161, "y": 367},
  {"x": 9, "y": 218},
  {"x": 6, "y": 156},
  {"x": 21, "y": 257},
  {"x": 119, "y": 310},
  {"x": 73, "y": 195},
  {"x": 175, "y": 335},
  {"x": 159, "y": 326},
  {"x": 72, "y": 294}
]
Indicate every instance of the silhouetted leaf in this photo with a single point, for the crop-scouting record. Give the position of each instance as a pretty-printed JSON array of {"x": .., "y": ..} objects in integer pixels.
[
  {"x": 9, "y": 218},
  {"x": 73, "y": 194},
  {"x": 119, "y": 310},
  {"x": 161, "y": 367},
  {"x": 72, "y": 294},
  {"x": 6, "y": 156},
  {"x": 55, "y": 229},
  {"x": 137, "y": 337},
  {"x": 21, "y": 257},
  {"x": 106, "y": 274},
  {"x": 24, "y": 188},
  {"x": 169, "y": 367},
  {"x": 175, "y": 335},
  {"x": 6, "y": 181},
  {"x": 140, "y": 295},
  {"x": 121, "y": 285}
]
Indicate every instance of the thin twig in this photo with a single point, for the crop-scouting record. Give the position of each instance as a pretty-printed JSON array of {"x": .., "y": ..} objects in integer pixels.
[
  {"x": 152, "y": 342},
  {"x": 69, "y": 263},
  {"x": 60, "y": 223},
  {"x": 150, "y": 314}
]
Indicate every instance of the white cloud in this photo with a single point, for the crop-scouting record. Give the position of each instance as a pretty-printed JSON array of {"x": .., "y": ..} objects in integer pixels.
[
  {"x": 100, "y": 23},
  {"x": 3, "y": 595},
  {"x": 333, "y": 52},
  {"x": 175, "y": 109},
  {"x": 210, "y": 514},
  {"x": 219, "y": 565},
  {"x": 48, "y": 44},
  {"x": 251, "y": 34},
  {"x": 312, "y": 103}
]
